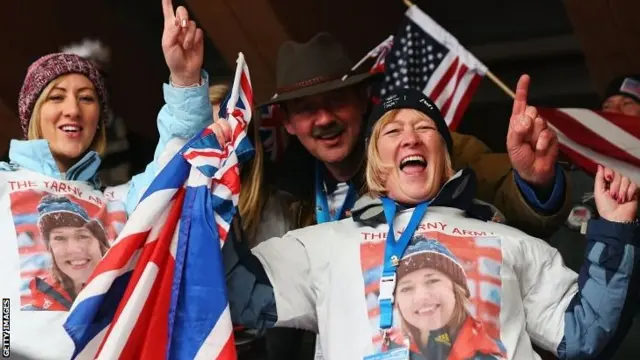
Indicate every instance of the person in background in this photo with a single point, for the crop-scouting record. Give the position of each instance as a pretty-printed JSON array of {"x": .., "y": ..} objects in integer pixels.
[
  {"x": 62, "y": 107},
  {"x": 264, "y": 212},
  {"x": 622, "y": 96}
]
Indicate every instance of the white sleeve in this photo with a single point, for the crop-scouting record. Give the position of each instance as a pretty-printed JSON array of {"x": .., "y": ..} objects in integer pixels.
[
  {"x": 287, "y": 264},
  {"x": 547, "y": 288}
]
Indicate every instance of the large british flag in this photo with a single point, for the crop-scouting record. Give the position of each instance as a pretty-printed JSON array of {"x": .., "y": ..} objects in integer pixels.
[{"x": 159, "y": 292}]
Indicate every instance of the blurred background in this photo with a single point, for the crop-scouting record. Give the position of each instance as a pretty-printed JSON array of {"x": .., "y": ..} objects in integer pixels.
[{"x": 571, "y": 49}]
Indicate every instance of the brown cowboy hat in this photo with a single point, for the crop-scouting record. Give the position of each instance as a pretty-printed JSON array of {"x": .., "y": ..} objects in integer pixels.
[{"x": 313, "y": 67}]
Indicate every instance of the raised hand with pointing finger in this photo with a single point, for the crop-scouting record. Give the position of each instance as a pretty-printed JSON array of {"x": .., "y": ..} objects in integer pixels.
[
  {"x": 532, "y": 146},
  {"x": 182, "y": 45}
]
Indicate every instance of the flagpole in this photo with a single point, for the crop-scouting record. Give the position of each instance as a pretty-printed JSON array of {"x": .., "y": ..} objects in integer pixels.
[
  {"x": 236, "y": 83},
  {"x": 490, "y": 75},
  {"x": 500, "y": 84}
]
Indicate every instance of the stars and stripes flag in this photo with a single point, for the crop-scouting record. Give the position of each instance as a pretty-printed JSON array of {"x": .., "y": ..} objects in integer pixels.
[
  {"x": 589, "y": 138},
  {"x": 159, "y": 292},
  {"x": 426, "y": 57}
]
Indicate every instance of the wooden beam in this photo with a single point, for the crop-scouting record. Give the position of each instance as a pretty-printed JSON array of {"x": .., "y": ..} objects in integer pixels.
[
  {"x": 534, "y": 48},
  {"x": 608, "y": 33},
  {"x": 257, "y": 33},
  {"x": 625, "y": 15},
  {"x": 263, "y": 27}
]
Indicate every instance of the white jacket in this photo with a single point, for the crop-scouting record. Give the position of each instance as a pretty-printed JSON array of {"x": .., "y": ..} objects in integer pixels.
[{"x": 325, "y": 278}]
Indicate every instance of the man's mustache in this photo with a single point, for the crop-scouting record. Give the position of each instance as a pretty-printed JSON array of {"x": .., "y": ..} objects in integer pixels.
[{"x": 331, "y": 129}]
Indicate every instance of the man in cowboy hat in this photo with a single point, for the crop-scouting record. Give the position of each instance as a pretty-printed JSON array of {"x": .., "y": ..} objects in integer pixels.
[{"x": 322, "y": 167}]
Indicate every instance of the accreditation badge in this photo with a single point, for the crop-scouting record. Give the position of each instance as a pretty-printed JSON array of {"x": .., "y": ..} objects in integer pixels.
[{"x": 400, "y": 353}]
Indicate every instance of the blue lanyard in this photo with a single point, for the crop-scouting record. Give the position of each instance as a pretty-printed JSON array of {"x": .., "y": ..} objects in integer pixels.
[
  {"x": 392, "y": 254},
  {"x": 323, "y": 214}
]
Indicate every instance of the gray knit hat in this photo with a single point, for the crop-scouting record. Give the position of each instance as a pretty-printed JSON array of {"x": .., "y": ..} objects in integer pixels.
[{"x": 46, "y": 69}]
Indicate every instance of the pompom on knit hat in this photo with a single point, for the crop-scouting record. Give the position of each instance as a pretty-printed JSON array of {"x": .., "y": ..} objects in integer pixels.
[
  {"x": 431, "y": 254},
  {"x": 48, "y": 68}
]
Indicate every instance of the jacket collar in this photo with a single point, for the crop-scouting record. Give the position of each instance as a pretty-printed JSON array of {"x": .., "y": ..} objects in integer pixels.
[
  {"x": 459, "y": 192},
  {"x": 331, "y": 183},
  {"x": 35, "y": 155}
]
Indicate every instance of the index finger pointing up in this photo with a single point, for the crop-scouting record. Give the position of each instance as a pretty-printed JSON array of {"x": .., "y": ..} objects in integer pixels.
[
  {"x": 522, "y": 92},
  {"x": 167, "y": 9}
]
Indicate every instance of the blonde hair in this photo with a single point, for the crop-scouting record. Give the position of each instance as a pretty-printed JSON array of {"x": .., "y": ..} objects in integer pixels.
[
  {"x": 252, "y": 198},
  {"x": 34, "y": 132},
  {"x": 458, "y": 317},
  {"x": 376, "y": 171},
  {"x": 217, "y": 93}
]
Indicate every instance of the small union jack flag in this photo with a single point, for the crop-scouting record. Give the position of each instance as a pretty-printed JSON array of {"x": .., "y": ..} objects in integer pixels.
[
  {"x": 380, "y": 53},
  {"x": 272, "y": 132}
]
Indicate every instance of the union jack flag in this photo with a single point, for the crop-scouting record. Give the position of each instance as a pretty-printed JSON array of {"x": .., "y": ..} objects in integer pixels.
[
  {"x": 380, "y": 53},
  {"x": 159, "y": 292},
  {"x": 272, "y": 132}
]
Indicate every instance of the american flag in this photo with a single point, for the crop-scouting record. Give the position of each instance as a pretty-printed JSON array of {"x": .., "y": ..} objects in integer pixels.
[
  {"x": 272, "y": 132},
  {"x": 159, "y": 292},
  {"x": 589, "y": 138},
  {"x": 426, "y": 57}
]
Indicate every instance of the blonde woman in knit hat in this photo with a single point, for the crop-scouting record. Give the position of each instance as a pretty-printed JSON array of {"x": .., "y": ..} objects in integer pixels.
[
  {"x": 432, "y": 298},
  {"x": 62, "y": 107},
  {"x": 76, "y": 244}
]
